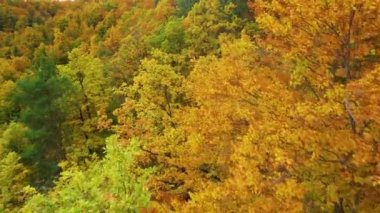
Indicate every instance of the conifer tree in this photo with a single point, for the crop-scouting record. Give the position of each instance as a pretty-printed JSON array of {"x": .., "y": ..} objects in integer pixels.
[{"x": 40, "y": 97}]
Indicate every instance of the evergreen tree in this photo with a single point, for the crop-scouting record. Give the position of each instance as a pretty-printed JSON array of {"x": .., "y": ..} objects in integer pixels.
[
  {"x": 39, "y": 97},
  {"x": 184, "y": 6}
]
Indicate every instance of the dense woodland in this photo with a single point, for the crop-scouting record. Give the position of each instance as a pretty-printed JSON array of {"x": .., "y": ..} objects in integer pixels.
[{"x": 190, "y": 106}]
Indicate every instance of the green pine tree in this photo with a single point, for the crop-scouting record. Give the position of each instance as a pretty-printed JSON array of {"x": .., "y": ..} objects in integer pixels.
[{"x": 40, "y": 98}]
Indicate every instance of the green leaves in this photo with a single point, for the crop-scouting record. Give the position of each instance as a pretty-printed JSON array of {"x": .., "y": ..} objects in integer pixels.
[
  {"x": 86, "y": 73},
  {"x": 184, "y": 6},
  {"x": 113, "y": 184},
  {"x": 270, "y": 110},
  {"x": 13, "y": 174},
  {"x": 39, "y": 97},
  {"x": 170, "y": 37},
  {"x": 207, "y": 20},
  {"x": 87, "y": 102},
  {"x": 154, "y": 96}
]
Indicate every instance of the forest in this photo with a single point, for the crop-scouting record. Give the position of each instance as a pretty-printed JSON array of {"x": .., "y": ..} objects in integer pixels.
[{"x": 190, "y": 106}]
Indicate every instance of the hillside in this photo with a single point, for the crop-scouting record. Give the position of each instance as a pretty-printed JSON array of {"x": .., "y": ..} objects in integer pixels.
[{"x": 190, "y": 106}]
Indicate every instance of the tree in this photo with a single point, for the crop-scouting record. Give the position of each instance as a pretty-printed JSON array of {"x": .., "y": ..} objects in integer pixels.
[
  {"x": 113, "y": 39},
  {"x": 152, "y": 98},
  {"x": 113, "y": 184},
  {"x": 88, "y": 101},
  {"x": 164, "y": 9},
  {"x": 125, "y": 63},
  {"x": 184, "y": 6},
  {"x": 320, "y": 109},
  {"x": 238, "y": 105},
  {"x": 268, "y": 147},
  {"x": 169, "y": 38},
  {"x": 40, "y": 97},
  {"x": 205, "y": 23},
  {"x": 149, "y": 112},
  {"x": 13, "y": 174},
  {"x": 342, "y": 35},
  {"x": 11, "y": 71}
]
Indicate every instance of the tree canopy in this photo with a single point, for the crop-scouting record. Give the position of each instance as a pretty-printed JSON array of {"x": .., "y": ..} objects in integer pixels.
[{"x": 190, "y": 106}]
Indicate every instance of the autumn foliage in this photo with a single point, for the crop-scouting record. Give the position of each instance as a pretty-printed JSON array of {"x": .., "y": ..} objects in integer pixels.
[{"x": 190, "y": 106}]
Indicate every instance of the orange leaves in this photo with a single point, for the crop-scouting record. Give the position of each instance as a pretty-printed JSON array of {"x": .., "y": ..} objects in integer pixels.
[
  {"x": 287, "y": 120},
  {"x": 367, "y": 92},
  {"x": 280, "y": 114},
  {"x": 326, "y": 35},
  {"x": 164, "y": 9}
]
